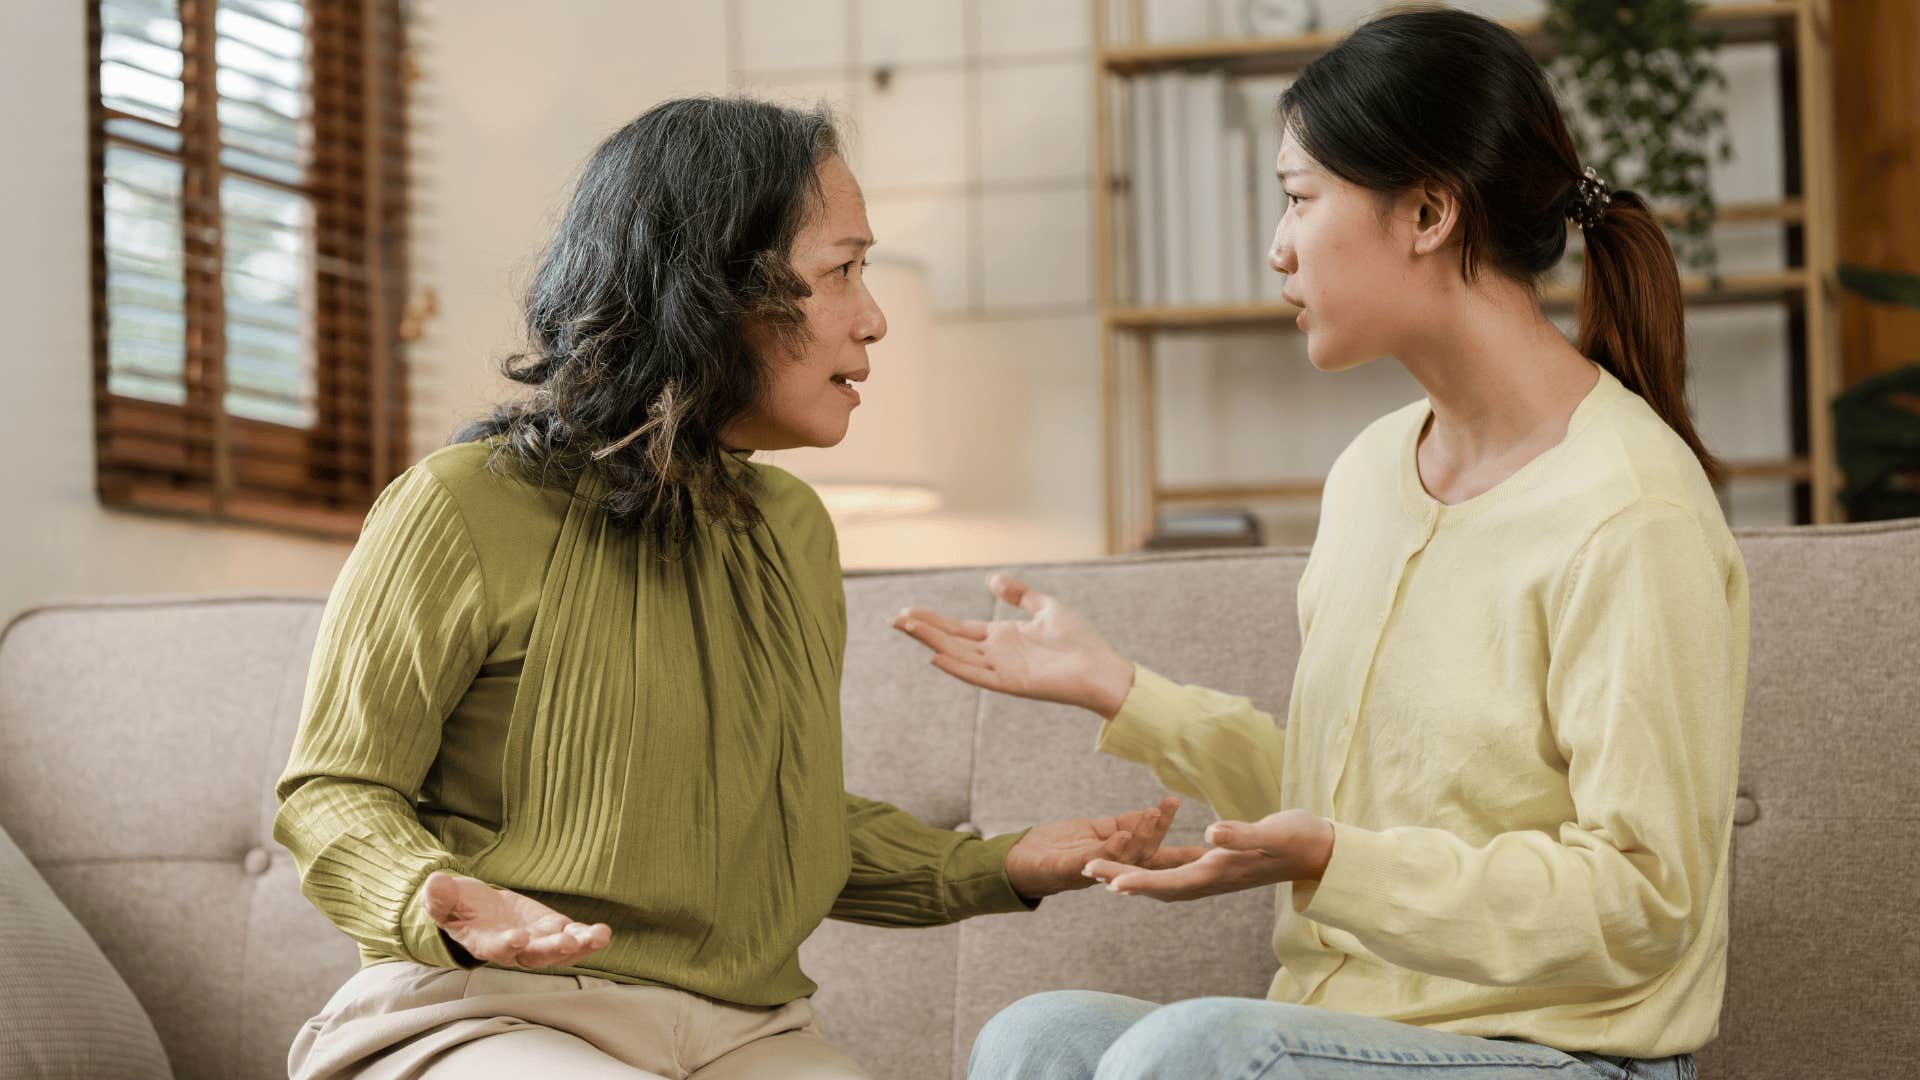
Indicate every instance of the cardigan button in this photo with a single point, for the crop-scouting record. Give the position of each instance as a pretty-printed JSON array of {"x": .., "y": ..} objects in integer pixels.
[
  {"x": 257, "y": 862},
  {"x": 1745, "y": 810}
]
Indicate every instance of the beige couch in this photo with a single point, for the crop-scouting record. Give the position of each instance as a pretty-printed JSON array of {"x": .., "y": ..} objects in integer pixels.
[{"x": 138, "y": 742}]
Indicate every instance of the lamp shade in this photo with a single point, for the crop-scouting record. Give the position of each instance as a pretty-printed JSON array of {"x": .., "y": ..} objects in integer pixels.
[{"x": 884, "y": 466}]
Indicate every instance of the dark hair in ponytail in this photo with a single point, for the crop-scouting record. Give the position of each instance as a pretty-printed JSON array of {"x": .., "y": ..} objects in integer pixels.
[{"x": 1453, "y": 99}]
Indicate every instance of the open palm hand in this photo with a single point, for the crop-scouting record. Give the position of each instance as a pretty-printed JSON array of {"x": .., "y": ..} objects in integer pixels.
[
  {"x": 502, "y": 927},
  {"x": 1054, "y": 655},
  {"x": 1292, "y": 845}
]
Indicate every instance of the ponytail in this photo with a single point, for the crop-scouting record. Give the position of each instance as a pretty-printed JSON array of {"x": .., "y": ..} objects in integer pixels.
[{"x": 1631, "y": 317}]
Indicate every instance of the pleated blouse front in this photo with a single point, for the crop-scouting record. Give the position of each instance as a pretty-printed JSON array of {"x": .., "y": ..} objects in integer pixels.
[{"x": 506, "y": 685}]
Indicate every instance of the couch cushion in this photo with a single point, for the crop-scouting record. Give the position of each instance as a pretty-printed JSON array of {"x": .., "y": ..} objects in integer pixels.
[
  {"x": 64, "y": 1011},
  {"x": 1825, "y": 938},
  {"x": 139, "y": 741}
]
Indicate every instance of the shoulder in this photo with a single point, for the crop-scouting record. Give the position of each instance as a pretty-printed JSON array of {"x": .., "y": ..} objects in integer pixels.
[
  {"x": 490, "y": 492},
  {"x": 1377, "y": 448},
  {"x": 793, "y": 508},
  {"x": 1367, "y": 470},
  {"x": 1630, "y": 468}
]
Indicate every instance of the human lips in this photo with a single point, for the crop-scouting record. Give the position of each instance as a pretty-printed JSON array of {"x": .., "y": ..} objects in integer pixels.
[{"x": 844, "y": 381}]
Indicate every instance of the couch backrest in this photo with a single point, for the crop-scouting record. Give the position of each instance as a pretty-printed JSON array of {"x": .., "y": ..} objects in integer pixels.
[{"x": 139, "y": 741}]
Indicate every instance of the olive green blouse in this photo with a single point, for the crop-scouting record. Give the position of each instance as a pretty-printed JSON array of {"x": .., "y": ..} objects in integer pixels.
[{"x": 507, "y": 686}]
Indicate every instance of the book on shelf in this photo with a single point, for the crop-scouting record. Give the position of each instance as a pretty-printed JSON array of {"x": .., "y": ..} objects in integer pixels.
[
  {"x": 1261, "y": 98},
  {"x": 1144, "y": 195},
  {"x": 1203, "y": 201},
  {"x": 1176, "y": 277},
  {"x": 1206, "y": 226}
]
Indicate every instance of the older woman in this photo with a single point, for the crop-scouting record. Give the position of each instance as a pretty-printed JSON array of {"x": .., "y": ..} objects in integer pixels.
[{"x": 569, "y": 770}]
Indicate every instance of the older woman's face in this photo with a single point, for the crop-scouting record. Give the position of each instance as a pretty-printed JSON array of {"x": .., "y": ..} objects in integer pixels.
[{"x": 810, "y": 396}]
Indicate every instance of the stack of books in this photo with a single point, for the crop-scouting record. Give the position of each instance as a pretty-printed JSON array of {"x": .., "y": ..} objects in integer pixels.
[{"x": 1204, "y": 529}]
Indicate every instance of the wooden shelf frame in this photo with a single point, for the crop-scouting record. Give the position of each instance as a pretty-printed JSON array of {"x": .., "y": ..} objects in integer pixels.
[
  {"x": 1216, "y": 495},
  {"x": 1737, "y": 24},
  {"x": 1801, "y": 29}
]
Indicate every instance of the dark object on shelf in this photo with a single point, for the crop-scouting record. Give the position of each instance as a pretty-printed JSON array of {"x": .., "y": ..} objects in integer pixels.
[
  {"x": 1882, "y": 286},
  {"x": 1205, "y": 529},
  {"x": 1876, "y": 423},
  {"x": 1876, "y": 427}
]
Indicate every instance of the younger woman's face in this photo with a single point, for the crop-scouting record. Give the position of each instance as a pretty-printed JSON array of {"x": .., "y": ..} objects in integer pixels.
[
  {"x": 810, "y": 396},
  {"x": 1351, "y": 271}
]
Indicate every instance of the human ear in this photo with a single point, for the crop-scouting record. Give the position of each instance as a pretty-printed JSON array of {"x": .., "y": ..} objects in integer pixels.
[{"x": 1436, "y": 216}]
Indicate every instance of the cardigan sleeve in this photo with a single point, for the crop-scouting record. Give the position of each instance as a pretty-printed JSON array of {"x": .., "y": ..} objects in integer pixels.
[
  {"x": 1212, "y": 746},
  {"x": 1644, "y": 691},
  {"x": 402, "y": 636},
  {"x": 906, "y": 873}
]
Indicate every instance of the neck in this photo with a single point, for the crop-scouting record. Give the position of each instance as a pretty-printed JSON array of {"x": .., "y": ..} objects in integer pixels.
[{"x": 1497, "y": 371}]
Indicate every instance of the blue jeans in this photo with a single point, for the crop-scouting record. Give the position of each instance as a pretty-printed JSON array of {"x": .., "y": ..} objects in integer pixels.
[{"x": 1085, "y": 1035}]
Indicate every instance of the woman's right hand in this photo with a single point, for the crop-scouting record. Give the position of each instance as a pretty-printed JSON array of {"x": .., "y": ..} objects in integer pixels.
[
  {"x": 1054, "y": 656},
  {"x": 504, "y": 928}
]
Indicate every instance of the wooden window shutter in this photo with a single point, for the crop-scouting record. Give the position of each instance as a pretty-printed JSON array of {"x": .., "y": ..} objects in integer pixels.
[{"x": 249, "y": 257}]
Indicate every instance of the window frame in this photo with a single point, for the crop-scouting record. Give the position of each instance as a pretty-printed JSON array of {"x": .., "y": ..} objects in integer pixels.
[{"x": 196, "y": 459}]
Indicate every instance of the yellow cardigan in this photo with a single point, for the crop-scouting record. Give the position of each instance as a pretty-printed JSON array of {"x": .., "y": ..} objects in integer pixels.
[{"x": 1522, "y": 713}]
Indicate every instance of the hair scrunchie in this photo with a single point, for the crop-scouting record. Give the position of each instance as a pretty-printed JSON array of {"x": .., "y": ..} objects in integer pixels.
[{"x": 1590, "y": 200}]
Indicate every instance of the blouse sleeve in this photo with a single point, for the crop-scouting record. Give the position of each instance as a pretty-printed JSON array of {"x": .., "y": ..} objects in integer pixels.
[
  {"x": 1644, "y": 692},
  {"x": 907, "y": 873},
  {"x": 1212, "y": 746},
  {"x": 403, "y": 634}
]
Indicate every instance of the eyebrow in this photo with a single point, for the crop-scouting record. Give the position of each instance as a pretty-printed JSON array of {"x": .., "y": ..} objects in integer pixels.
[
  {"x": 853, "y": 242},
  {"x": 1285, "y": 173}
]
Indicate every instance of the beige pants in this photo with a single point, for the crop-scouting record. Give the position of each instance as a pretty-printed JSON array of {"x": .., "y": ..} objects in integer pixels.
[{"x": 406, "y": 1021}]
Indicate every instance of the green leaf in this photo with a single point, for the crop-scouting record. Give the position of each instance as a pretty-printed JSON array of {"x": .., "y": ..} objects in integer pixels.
[{"x": 1883, "y": 286}]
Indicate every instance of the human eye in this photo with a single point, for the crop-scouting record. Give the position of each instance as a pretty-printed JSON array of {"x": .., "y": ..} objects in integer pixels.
[{"x": 845, "y": 269}]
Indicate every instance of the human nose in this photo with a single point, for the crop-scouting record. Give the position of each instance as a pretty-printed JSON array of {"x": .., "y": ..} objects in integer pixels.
[
  {"x": 1280, "y": 255},
  {"x": 871, "y": 325}
]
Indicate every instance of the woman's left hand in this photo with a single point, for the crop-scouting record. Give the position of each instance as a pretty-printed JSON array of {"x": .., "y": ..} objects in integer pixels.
[
  {"x": 1292, "y": 845},
  {"x": 1050, "y": 858}
]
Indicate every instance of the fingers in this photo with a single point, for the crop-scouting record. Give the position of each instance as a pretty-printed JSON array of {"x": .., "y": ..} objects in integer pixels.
[
  {"x": 971, "y": 629},
  {"x": 568, "y": 945},
  {"x": 1162, "y": 823},
  {"x": 1213, "y": 872},
  {"x": 1245, "y": 836},
  {"x": 1178, "y": 883},
  {"x": 1012, "y": 590},
  {"x": 940, "y": 641},
  {"x": 443, "y": 899},
  {"x": 1149, "y": 829},
  {"x": 1169, "y": 857},
  {"x": 983, "y": 677}
]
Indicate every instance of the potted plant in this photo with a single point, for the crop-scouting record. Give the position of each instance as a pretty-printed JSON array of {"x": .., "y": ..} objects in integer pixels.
[
  {"x": 1876, "y": 422},
  {"x": 1638, "y": 73}
]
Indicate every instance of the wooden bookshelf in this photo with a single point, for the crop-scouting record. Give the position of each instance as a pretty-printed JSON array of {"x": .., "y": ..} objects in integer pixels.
[{"x": 1129, "y": 330}]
